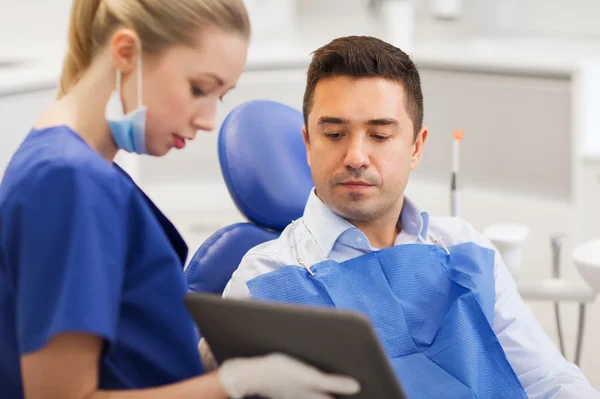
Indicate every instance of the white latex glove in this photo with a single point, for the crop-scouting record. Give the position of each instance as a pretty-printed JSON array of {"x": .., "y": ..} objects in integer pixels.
[{"x": 278, "y": 376}]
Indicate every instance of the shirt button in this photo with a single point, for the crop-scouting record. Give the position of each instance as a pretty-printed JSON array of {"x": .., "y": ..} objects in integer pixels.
[{"x": 359, "y": 239}]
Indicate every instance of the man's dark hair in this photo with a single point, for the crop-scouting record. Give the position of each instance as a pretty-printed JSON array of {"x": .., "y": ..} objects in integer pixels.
[{"x": 366, "y": 57}]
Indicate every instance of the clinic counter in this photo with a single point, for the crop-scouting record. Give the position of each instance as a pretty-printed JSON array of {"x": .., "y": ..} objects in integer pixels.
[{"x": 526, "y": 57}]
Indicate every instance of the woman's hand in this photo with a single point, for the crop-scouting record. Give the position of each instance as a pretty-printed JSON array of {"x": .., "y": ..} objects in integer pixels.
[
  {"x": 278, "y": 376},
  {"x": 208, "y": 360}
]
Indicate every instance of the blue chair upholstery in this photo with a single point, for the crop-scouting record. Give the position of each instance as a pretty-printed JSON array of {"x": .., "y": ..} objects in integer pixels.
[{"x": 263, "y": 162}]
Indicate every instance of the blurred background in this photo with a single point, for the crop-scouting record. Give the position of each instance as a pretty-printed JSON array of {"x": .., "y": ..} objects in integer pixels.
[{"x": 520, "y": 77}]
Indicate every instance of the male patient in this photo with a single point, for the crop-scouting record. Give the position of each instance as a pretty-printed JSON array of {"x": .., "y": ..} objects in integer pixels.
[{"x": 438, "y": 294}]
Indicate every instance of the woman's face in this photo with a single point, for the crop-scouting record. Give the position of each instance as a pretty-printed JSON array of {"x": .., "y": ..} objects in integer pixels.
[{"x": 182, "y": 85}]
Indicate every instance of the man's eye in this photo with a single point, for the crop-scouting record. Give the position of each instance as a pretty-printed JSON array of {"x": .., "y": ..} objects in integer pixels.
[
  {"x": 380, "y": 137},
  {"x": 333, "y": 136}
]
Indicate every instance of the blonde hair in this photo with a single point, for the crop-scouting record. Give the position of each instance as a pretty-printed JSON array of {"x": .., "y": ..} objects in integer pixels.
[{"x": 158, "y": 23}]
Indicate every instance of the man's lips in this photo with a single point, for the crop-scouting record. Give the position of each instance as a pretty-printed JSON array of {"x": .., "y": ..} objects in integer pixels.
[{"x": 355, "y": 183}]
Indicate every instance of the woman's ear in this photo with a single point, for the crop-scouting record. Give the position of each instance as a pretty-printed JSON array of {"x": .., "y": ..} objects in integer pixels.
[{"x": 125, "y": 47}]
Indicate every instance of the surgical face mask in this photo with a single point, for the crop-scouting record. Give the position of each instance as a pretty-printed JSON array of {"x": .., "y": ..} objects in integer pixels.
[{"x": 128, "y": 131}]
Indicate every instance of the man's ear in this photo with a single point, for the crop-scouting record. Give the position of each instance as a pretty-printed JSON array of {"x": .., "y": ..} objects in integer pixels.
[
  {"x": 306, "y": 143},
  {"x": 418, "y": 148}
]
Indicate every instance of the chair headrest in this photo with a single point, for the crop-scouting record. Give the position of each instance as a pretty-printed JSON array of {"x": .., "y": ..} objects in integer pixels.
[{"x": 263, "y": 161}]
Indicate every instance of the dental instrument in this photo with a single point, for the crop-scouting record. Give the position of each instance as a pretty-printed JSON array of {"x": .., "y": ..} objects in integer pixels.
[{"x": 458, "y": 135}]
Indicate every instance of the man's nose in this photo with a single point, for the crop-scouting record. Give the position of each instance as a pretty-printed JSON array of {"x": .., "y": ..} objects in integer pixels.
[{"x": 357, "y": 155}]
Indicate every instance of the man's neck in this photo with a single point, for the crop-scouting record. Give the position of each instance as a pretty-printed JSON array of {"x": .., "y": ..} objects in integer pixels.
[{"x": 383, "y": 231}]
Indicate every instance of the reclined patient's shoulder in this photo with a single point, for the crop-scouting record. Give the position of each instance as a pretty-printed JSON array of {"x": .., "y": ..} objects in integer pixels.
[
  {"x": 455, "y": 231},
  {"x": 278, "y": 252}
]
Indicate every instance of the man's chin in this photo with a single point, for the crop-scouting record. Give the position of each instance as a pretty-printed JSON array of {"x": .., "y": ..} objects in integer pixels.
[{"x": 355, "y": 211}]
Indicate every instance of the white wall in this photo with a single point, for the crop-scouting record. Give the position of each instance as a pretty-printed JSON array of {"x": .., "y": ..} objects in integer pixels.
[
  {"x": 549, "y": 18},
  {"x": 41, "y": 25},
  {"x": 36, "y": 27},
  {"x": 573, "y": 18}
]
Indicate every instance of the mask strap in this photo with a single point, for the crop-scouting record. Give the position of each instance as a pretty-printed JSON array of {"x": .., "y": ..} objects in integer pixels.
[
  {"x": 139, "y": 76},
  {"x": 118, "y": 82}
]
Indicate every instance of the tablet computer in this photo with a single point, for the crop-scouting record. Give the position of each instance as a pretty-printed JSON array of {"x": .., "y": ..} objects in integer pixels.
[{"x": 332, "y": 340}]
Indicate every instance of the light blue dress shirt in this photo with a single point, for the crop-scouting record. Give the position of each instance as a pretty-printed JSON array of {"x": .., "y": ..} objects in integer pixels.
[{"x": 323, "y": 235}]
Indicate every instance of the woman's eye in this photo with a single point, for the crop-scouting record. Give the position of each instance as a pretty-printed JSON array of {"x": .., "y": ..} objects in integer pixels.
[{"x": 197, "y": 92}]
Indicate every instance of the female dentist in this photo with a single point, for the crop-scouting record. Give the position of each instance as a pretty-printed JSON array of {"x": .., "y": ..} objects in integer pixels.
[{"x": 91, "y": 282}]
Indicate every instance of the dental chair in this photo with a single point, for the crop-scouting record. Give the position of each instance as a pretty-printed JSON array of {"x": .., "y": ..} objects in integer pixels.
[{"x": 263, "y": 162}]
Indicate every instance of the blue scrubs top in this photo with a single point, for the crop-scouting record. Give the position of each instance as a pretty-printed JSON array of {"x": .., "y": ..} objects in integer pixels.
[{"x": 82, "y": 249}]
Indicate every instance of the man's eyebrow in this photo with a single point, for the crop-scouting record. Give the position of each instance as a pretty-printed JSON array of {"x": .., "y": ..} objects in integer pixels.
[
  {"x": 381, "y": 122},
  {"x": 332, "y": 120}
]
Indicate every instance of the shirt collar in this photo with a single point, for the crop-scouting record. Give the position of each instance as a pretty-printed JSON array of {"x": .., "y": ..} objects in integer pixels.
[
  {"x": 415, "y": 221},
  {"x": 326, "y": 226}
]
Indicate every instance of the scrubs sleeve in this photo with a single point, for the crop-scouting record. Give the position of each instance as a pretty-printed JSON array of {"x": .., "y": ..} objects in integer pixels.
[{"x": 69, "y": 246}]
